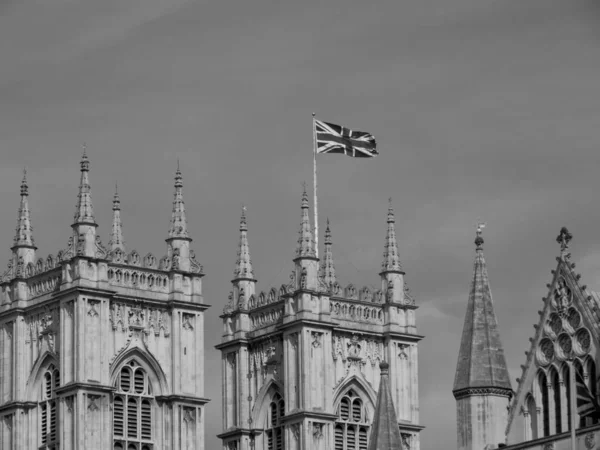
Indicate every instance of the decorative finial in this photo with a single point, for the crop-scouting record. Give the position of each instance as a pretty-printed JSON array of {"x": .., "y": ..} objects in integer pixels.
[
  {"x": 304, "y": 196},
  {"x": 85, "y": 163},
  {"x": 479, "y": 230},
  {"x": 178, "y": 177},
  {"x": 563, "y": 238},
  {"x": 243, "y": 224},
  {"x": 116, "y": 199},
  {"x": 391, "y": 218},
  {"x": 384, "y": 367},
  {"x": 24, "y": 187}
]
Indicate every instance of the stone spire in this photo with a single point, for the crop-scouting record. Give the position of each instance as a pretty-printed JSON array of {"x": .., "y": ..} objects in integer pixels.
[
  {"x": 481, "y": 361},
  {"x": 306, "y": 244},
  {"x": 24, "y": 232},
  {"x": 327, "y": 267},
  {"x": 391, "y": 260},
  {"x": 178, "y": 228},
  {"x": 385, "y": 434},
  {"x": 243, "y": 265},
  {"x": 179, "y": 241},
  {"x": 84, "y": 225},
  {"x": 84, "y": 212},
  {"x": 116, "y": 236},
  {"x": 392, "y": 275}
]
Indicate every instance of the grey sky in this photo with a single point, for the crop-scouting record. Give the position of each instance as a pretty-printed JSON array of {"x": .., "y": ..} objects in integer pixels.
[{"x": 482, "y": 108}]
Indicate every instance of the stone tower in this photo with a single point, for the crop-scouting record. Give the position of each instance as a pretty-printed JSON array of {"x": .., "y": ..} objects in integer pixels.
[
  {"x": 101, "y": 349},
  {"x": 481, "y": 386},
  {"x": 301, "y": 363}
]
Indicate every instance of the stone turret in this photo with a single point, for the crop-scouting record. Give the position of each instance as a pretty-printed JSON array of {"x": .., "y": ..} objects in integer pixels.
[
  {"x": 392, "y": 275},
  {"x": 116, "y": 236},
  {"x": 385, "y": 434},
  {"x": 306, "y": 261},
  {"x": 179, "y": 241},
  {"x": 84, "y": 223},
  {"x": 327, "y": 268},
  {"x": 481, "y": 386}
]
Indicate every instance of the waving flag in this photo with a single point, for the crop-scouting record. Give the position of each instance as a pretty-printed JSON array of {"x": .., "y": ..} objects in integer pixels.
[
  {"x": 337, "y": 139},
  {"x": 586, "y": 403}
]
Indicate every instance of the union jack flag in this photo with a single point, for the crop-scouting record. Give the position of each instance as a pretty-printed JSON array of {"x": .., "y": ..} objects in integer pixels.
[
  {"x": 337, "y": 139},
  {"x": 586, "y": 403}
]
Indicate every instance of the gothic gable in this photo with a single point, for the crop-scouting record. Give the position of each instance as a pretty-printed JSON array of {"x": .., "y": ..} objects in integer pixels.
[{"x": 568, "y": 328}]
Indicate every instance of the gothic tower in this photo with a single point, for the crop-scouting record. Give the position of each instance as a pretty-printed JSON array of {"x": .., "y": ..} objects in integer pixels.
[
  {"x": 101, "y": 349},
  {"x": 481, "y": 386},
  {"x": 301, "y": 363}
]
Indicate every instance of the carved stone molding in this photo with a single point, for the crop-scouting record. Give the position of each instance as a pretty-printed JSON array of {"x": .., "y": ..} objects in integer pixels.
[
  {"x": 501, "y": 392},
  {"x": 8, "y": 421},
  {"x": 93, "y": 312},
  {"x": 187, "y": 321},
  {"x": 93, "y": 402},
  {"x": 402, "y": 348},
  {"x": 316, "y": 339},
  {"x": 294, "y": 340},
  {"x": 317, "y": 431},
  {"x": 189, "y": 414},
  {"x": 549, "y": 446},
  {"x": 69, "y": 403},
  {"x": 296, "y": 431}
]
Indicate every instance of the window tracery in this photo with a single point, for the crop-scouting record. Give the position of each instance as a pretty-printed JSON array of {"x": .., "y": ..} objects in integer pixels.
[
  {"x": 352, "y": 425},
  {"x": 49, "y": 410},
  {"x": 132, "y": 409},
  {"x": 274, "y": 430}
]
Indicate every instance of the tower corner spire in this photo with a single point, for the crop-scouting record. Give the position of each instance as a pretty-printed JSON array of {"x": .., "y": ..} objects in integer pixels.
[
  {"x": 178, "y": 227},
  {"x": 327, "y": 267},
  {"x": 24, "y": 231},
  {"x": 243, "y": 266},
  {"x": 391, "y": 258},
  {"x": 116, "y": 237},
  {"x": 306, "y": 244},
  {"x": 84, "y": 211}
]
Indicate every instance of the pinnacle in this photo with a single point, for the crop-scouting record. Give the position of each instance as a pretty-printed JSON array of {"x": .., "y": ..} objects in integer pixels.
[
  {"x": 178, "y": 227},
  {"x": 84, "y": 212},
  {"x": 116, "y": 236},
  {"x": 24, "y": 231},
  {"x": 327, "y": 267},
  {"x": 391, "y": 259},
  {"x": 306, "y": 246},
  {"x": 243, "y": 265}
]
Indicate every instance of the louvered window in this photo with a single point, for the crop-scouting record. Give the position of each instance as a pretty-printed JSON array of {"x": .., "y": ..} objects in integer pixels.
[
  {"x": 274, "y": 432},
  {"x": 49, "y": 409},
  {"x": 132, "y": 409},
  {"x": 352, "y": 427}
]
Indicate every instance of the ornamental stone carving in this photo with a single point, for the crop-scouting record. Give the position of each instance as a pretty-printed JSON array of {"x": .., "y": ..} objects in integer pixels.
[{"x": 590, "y": 441}]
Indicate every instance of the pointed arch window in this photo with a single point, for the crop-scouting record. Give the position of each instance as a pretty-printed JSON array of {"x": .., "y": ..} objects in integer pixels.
[
  {"x": 591, "y": 382},
  {"x": 48, "y": 408},
  {"x": 133, "y": 409},
  {"x": 274, "y": 430},
  {"x": 543, "y": 382},
  {"x": 352, "y": 425}
]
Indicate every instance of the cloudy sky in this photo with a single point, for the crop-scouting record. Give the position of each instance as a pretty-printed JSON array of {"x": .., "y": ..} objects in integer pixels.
[{"x": 482, "y": 109}]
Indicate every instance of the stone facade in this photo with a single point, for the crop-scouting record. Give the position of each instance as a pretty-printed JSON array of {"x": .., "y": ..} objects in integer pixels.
[
  {"x": 101, "y": 348},
  {"x": 563, "y": 351},
  {"x": 301, "y": 362}
]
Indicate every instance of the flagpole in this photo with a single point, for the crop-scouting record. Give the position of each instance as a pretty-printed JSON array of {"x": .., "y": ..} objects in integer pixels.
[
  {"x": 572, "y": 400},
  {"x": 315, "y": 187}
]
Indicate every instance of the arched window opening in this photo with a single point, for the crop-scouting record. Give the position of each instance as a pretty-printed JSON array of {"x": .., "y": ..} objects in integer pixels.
[
  {"x": 132, "y": 409},
  {"x": 591, "y": 382},
  {"x": 352, "y": 425},
  {"x": 581, "y": 421},
  {"x": 556, "y": 395},
  {"x": 543, "y": 381},
  {"x": 567, "y": 385},
  {"x": 531, "y": 408},
  {"x": 274, "y": 430},
  {"x": 49, "y": 409}
]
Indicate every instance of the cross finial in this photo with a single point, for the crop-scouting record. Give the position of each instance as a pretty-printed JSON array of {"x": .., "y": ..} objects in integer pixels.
[
  {"x": 563, "y": 238},
  {"x": 479, "y": 231}
]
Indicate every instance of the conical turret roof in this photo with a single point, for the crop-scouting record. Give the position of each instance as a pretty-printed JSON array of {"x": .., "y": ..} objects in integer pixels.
[
  {"x": 243, "y": 266},
  {"x": 385, "y": 434},
  {"x": 178, "y": 227},
  {"x": 481, "y": 361},
  {"x": 84, "y": 212},
  {"x": 24, "y": 231}
]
